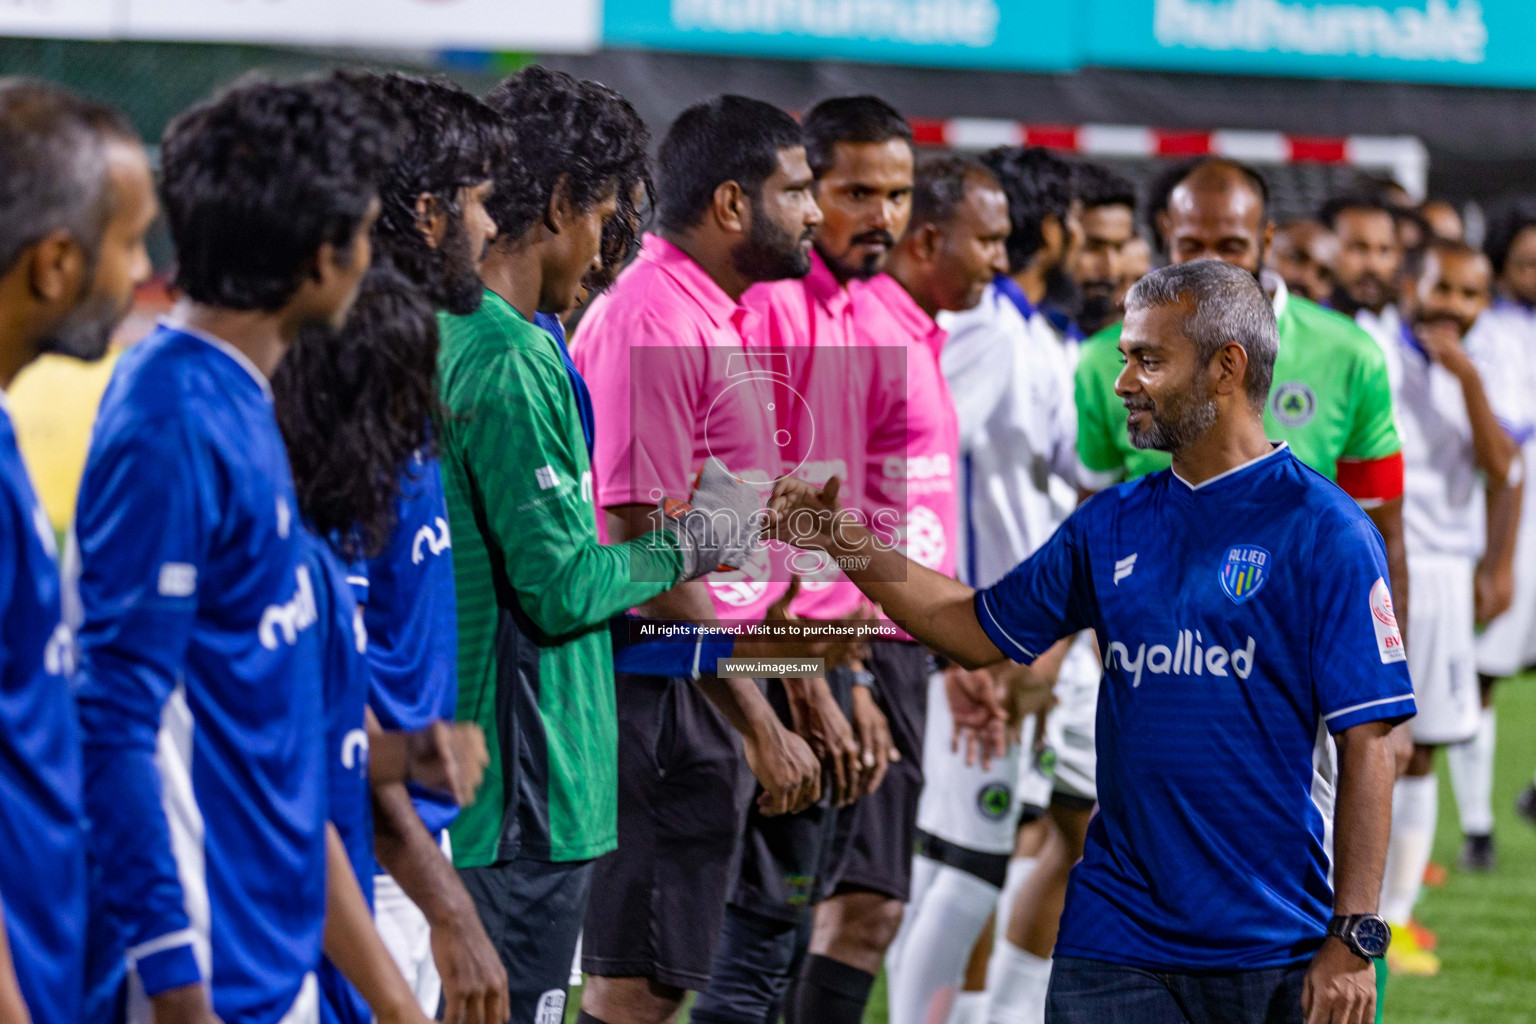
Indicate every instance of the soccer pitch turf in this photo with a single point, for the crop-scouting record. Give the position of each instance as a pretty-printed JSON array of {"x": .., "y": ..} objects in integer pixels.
[{"x": 1486, "y": 923}]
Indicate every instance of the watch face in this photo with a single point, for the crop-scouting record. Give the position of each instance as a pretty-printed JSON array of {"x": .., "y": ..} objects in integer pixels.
[{"x": 1372, "y": 935}]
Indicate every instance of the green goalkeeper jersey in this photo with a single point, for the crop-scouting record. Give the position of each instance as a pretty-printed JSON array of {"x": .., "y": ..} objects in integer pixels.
[
  {"x": 535, "y": 590},
  {"x": 1330, "y": 400}
]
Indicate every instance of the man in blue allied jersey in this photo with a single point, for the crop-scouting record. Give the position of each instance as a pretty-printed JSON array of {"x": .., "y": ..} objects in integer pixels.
[
  {"x": 76, "y": 198},
  {"x": 1243, "y": 615},
  {"x": 200, "y": 692}
]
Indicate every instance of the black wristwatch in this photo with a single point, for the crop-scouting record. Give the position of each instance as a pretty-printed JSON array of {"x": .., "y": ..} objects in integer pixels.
[{"x": 1366, "y": 935}]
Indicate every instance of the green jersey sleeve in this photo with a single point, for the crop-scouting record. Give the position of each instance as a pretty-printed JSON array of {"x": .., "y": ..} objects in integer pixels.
[
  {"x": 1373, "y": 432},
  {"x": 517, "y": 429},
  {"x": 1098, "y": 425}
]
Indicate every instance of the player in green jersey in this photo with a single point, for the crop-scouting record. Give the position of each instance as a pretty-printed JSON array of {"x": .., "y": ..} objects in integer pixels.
[{"x": 1331, "y": 399}]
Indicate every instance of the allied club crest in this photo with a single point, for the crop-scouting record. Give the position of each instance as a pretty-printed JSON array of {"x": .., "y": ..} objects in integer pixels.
[
  {"x": 994, "y": 801},
  {"x": 1244, "y": 571}
]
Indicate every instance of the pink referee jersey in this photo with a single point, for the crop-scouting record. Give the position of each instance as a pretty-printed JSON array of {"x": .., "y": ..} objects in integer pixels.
[
  {"x": 915, "y": 441},
  {"x": 808, "y": 327},
  {"x": 665, "y": 355}
]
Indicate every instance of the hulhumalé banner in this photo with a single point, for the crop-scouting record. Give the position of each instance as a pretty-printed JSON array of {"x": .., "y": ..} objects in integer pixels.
[
  {"x": 1471, "y": 42},
  {"x": 1035, "y": 35}
]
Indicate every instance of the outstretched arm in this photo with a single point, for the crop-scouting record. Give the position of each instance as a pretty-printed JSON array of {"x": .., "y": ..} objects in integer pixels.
[{"x": 937, "y": 610}]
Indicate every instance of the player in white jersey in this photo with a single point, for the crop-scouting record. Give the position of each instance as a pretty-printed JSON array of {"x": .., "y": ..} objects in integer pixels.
[
  {"x": 1504, "y": 345},
  {"x": 1453, "y": 447}
]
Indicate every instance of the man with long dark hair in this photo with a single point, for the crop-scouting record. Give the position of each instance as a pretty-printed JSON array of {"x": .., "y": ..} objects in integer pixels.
[
  {"x": 77, "y": 200},
  {"x": 360, "y": 416}
]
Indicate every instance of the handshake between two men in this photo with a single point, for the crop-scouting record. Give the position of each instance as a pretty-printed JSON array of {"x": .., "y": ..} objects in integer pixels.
[{"x": 988, "y": 694}]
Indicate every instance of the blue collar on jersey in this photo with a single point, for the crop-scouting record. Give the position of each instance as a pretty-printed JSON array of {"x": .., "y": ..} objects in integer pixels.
[
  {"x": 1013, "y": 293},
  {"x": 1064, "y": 324},
  {"x": 1411, "y": 340},
  {"x": 553, "y": 325}
]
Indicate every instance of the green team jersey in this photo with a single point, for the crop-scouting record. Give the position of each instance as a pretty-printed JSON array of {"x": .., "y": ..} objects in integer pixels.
[
  {"x": 535, "y": 591},
  {"x": 1330, "y": 400}
]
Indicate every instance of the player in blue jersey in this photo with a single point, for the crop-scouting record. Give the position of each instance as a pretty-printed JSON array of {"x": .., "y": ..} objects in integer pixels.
[
  {"x": 76, "y": 198},
  {"x": 432, "y": 234},
  {"x": 200, "y": 698},
  {"x": 356, "y": 420},
  {"x": 1241, "y": 605}
]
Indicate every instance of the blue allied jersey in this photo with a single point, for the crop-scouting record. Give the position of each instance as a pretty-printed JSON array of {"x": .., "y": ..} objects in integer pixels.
[
  {"x": 341, "y": 642},
  {"x": 413, "y": 623},
  {"x": 199, "y": 688},
  {"x": 42, "y": 825},
  {"x": 1240, "y": 622}
]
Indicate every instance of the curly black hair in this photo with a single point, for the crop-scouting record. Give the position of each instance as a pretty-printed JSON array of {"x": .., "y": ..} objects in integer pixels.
[
  {"x": 1509, "y": 217},
  {"x": 1097, "y": 185},
  {"x": 255, "y": 180},
  {"x": 451, "y": 141},
  {"x": 1038, "y": 184},
  {"x": 356, "y": 406},
  {"x": 578, "y": 135}
]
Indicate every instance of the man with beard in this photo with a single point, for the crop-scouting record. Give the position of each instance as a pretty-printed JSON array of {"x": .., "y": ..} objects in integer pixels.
[
  {"x": 1012, "y": 377},
  {"x": 1303, "y": 253},
  {"x": 860, "y": 151},
  {"x": 1504, "y": 344},
  {"x": 665, "y": 352},
  {"x": 1332, "y": 398},
  {"x": 1205, "y": 896},
  {"x": 1366, "y": 268},
  {"x": 433, "y": 229},
  {"x": 1109, "y": 227},
  {"x": 1453, "y": 444},
  {"x": 79, "y": 198}
]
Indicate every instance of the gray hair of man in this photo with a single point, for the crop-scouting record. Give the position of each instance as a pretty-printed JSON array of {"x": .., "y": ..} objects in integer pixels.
[
  {"x": 1225, "y": 304},
  {"x": 52, "y": 166}
]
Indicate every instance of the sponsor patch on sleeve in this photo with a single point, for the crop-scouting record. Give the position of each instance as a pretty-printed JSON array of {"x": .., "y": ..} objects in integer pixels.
[
  {"x": 1389, "y": 641},
  {"x": 177, "y": 579}
]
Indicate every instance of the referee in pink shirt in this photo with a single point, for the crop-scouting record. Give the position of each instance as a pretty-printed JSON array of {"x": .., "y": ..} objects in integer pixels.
[{"x": 665, "y": 354}]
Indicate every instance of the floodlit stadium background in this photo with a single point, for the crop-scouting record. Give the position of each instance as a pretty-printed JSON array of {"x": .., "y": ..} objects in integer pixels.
[{"x": 1439, "y": 95}]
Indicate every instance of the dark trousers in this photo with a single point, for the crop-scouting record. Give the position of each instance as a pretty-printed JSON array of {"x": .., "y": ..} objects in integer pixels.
[
  {"x": 532, "y": 911},
  {"x": 1095, "y": 992}
]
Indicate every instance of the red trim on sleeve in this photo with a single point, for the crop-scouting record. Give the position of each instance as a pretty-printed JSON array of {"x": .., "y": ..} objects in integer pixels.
[{"x": 1372, "y": 479}]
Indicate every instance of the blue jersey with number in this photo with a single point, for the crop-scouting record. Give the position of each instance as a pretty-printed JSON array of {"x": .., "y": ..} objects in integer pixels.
[
  {"x": 199, "y": 687},
  {"x": 341, "y": 640},
  {"x": 42, "y": 824},
  {"x": 413, "y": 622},
  {"x": 1240, "y": 622}
]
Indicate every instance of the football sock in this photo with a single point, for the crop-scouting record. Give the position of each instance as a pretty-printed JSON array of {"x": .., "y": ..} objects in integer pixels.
[
  {"x": 970, "y": 1008},
  {"x": 1415, "y": 802},
  {"x": 1018, "y": 987},
  {"x": 938, "y": 945},
  {"x": 1019, "y": 870},
  {"x": 1471, "y": 765},
  {"x": 924, "y": 871},
  {"x": 830, "y": 992}
]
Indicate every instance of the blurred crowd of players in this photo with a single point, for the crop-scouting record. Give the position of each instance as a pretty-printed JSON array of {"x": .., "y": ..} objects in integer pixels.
[{"x": 355, "y": 485}]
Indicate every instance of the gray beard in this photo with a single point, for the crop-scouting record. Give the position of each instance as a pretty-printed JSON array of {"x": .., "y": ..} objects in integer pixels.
[{"x": 1194, "y": 416}]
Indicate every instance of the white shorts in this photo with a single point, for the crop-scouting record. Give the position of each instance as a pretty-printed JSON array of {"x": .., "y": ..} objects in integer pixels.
[
  {"x": 1442, "y": 657},
  {"x": 1508, "y": 645},
  {"x": 964, "y": 804},
  {"x": 1069, "y": 728},
  {"x": 406, "y": 935}
]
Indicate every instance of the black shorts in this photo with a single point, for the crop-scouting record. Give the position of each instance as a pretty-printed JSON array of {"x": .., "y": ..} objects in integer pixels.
[
  {"x": 877, "y": 835},
  {"x": 532, "y": 912},
  {"x": 658, "y": 900},
  {"x": 784, "y": 859}
]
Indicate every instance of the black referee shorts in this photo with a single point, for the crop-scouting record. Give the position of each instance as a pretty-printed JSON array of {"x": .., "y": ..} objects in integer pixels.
[
  {"x": 875, "y": 838},
  {"x": 658, "y": 900}
]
